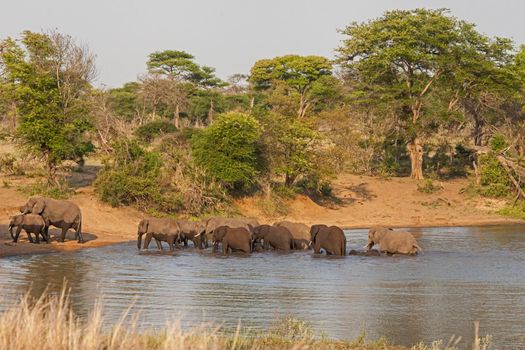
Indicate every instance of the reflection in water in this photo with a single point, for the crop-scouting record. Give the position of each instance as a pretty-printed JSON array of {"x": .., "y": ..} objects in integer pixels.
[{"x": 465, "y": 274}]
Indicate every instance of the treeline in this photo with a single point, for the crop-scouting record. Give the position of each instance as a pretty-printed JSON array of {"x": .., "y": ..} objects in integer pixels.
[{"x": 415, "y": 93}]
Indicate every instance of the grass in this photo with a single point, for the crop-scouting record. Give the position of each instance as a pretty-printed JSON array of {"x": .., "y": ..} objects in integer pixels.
[
  {"x": 516, "y": 211},
  {"x": 49, "y": 323}
]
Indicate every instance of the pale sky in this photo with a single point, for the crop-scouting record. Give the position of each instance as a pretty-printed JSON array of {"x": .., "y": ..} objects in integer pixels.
[{"x": 229, "y": 35}]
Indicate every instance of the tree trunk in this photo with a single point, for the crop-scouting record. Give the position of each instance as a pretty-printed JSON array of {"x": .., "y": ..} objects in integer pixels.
[
  {"x": 478, "y": 130},
  {"x": 252, "y": 103},
  {"x": 210, "y": 113},
  {"x": 415, "y": 150},
  {"x": 177, "y": 116}
]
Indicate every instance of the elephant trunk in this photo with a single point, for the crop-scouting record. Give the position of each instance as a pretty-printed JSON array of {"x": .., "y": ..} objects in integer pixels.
[{"x": 139, "y": 239}]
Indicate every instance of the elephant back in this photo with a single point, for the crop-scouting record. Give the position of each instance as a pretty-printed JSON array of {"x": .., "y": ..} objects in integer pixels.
[{"x": 298, "y": 230}]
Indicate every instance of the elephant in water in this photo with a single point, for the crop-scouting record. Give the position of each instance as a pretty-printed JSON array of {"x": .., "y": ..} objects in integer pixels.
[
  {"x": 332, "y": 239},
  {"x": 162, "y": 229},
  {"x": 392, "y": 242},
  {"x": 215, "y": 222},
  {"x": 300, "y": 233},
  {"x": 193, "y": 230},
  {"x": 234, "y": 239},
  {"x": 279, "y": 238},
  {"x": 30, "y": 223},
  {"x": 59, "y": 213}
]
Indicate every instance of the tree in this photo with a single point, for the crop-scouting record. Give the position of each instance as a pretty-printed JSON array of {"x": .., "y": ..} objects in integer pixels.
[
  {"x": 309, "y": 78},
  {"x": 229, "y": 150},
  {"x": 48, "y": 78},
  {"x": 405, "y": 60},
  {"x": 290, "y": 148}
]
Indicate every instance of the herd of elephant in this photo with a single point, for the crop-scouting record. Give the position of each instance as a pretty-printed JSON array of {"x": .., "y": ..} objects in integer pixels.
[
  {"x": 246, "y": 235},
  {"x": 234, "y": 234}
]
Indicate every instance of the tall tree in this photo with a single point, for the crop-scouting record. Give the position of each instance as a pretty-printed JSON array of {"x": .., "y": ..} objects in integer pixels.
[
  {"x": 308, "y": 77},
  {"x": 406, "y": 59},
  {"x": 48, "y": 77}
]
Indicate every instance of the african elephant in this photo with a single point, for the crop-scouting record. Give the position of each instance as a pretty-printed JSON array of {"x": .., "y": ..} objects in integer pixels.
[
  {"x": 392, "y": 242},
  {"x": 279, "y": 238},
  {"x": 59, "y": 213},
  {"x": 372, "y": 252},
  {"x": 300, "y": 233},
  {"x": 215, "y": 222},
  {"x": 332, "y": 239},
  {"x": 234, "y": 239},
  {"x": 162, "y": 229},
  {"x": 30, "y": 223},
  {"x": 192, "y": 230}
]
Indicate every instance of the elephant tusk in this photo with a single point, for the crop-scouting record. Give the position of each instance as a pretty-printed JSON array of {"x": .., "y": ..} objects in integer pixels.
[{"x": 310, "y": 243}]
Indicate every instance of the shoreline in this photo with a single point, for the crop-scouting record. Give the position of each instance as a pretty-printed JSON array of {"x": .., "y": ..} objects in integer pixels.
[{"x": 73, "y": 246}]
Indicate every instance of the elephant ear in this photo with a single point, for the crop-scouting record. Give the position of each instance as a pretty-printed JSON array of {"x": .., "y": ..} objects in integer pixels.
[
  {"x": 39, "y": 206},
  {"x": 143, "y": 226}
]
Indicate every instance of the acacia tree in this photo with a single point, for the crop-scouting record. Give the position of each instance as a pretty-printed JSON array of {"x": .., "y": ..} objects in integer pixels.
[
  {"x": 307, "y": 77},
  {"x": 48, "y": 77},
  {"x": 406, "y": 59},
  {"x": 185, "y": 75}
]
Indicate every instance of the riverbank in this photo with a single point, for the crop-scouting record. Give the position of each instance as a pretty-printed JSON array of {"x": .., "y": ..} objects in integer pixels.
[{"x": 359, "y": 202}]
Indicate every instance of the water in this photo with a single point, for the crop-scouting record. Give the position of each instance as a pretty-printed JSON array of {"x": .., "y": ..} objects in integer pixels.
[{"x": 465, "y": 274}]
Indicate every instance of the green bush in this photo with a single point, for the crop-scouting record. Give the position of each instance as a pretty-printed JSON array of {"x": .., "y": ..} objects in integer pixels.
[
  {"x": 498, "y": 143},
  {"x": 515, "y": 211},
  {"x": 494, "y": 181},
  {"x": 149, "y": 131},
  {"x": 42, "y": 188},
  {"x": 130, "y": 176},
  {"x": 429, "y": 187},
  {"x": 229, "y": 150}
]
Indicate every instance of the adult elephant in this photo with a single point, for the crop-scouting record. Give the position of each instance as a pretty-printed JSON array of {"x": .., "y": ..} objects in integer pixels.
[
  {"x": 392, "y": 242},
  {"x": 332, "y": 239},
  {"x": 279, "y": 238},
  {"x": 59, "y": 213},
  {"x": 192, "y": 230},
  {"x": 215, "y": 222},
  {"x": 299, "y": 231},
  {"x": 232, "y": 238},
  {"x": 162, "y": 229}
]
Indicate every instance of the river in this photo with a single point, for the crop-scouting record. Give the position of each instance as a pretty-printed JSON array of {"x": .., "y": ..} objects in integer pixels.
[{"x": 465, "y": 274}]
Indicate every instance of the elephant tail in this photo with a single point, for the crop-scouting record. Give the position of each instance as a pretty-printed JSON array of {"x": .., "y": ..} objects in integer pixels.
[
  {"x": 79, "y": 229},
  {"x": 343, "y": 250}
]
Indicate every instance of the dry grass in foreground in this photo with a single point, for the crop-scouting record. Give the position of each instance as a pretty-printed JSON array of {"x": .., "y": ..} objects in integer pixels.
[{"x": 49, "y": 324}]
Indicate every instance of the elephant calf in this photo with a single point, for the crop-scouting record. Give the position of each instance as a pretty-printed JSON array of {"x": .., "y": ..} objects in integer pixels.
[
  {"x": 392, "y": 242},
  {"x": 30, "y": 223},
  {"x": 278, "y": 238},
  {"x": 194, "y": 231},
  {"x": 234, "y": 239},
  {"x": 332, "y": 239}
]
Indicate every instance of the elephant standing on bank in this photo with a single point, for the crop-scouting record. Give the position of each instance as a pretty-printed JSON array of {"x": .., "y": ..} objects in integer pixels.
[
  {"x": 279, "y": 238},
  {"x": 234, "y": 239},
  {"x": 30, "y": 223},
  {"x": 299, "y": 231},
  {"x": 332, "y": 239},
  {"x": 59, "y": 213},
  {"x": 392, "y": 242},
  {"x": 193, "y": 230},
  {"x": 162, "y": 229}
]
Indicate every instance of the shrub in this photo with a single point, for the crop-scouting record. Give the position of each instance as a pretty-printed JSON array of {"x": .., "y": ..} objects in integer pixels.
[
  {"x": 9, "y": 165},
  {"x": 149, "y": 131},
  {"x": 229, "y": 150},
  {"x": 494, "y": 181},
  {"x": 60, "y": 190},
  {"x": 429, "y": 187},
  {"x": 130, "y": 176},
  {"x": 498, "y": 143}
]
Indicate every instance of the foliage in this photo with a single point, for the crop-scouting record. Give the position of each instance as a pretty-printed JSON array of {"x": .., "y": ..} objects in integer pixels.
[
  {"x": 516, "y": 211},
  {"x": 498, "y": 143},
  {"x": 229, "y": 150},
  {"x": 494, "y": 181},
  {"x": 429, "y": 187},
  {"x": 303, "y": 81},
  {"x": 48, "y": 78},
  {"x": 149, "y": 131},
  {"x": 10, "y": 165},
  {"x": 61, "y": 190},
  {"x": 131, "y": 176}
]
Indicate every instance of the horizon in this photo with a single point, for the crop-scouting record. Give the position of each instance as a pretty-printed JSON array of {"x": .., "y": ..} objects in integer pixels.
[{"x": 228, "y": 37}]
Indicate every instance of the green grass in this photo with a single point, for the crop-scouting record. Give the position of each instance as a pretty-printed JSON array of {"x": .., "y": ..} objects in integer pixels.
[{"x": 514, "y": 211}]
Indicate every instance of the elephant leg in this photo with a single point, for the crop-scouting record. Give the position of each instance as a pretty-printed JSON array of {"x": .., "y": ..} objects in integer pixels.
[
  {"x": 225, "y": 247},
  {"x": 80, "y": 237},
  {"x": 171, "y": 244},
  {"x": 17, "y": 234},
  {"x": 266, "y": 244},
  {"x": 147, "y": 240},
  {"x": 317, "y": 248},
  {"x": 159, "y": 244},
  {"x": 37, "y": 238},
  {"x": 63, "y": 234},
  {"x": 46, "y": 231}
]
